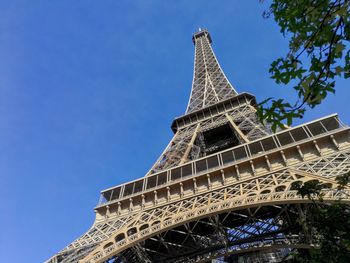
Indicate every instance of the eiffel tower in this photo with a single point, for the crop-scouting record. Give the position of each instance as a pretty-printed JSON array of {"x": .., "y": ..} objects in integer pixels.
[{"x": 223, "y": 190}]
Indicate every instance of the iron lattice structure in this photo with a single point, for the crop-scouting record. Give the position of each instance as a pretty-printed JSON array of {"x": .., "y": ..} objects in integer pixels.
[{"x": 223, "y": 190}]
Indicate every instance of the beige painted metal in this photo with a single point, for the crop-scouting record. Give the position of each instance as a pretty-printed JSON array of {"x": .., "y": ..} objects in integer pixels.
[
  {"x": 212, "y": 203},
  {"x": 262, "y": 179},
  {"x": 239, "y": 193},
  {"x": 210, "y": 84},
  {"x": 245, "y": 139},
  {"x": 190, "y": 145}
]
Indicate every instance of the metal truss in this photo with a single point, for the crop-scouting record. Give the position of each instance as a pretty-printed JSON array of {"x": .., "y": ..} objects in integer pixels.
[
  {"x": 328, "y": 166},
  {"x": 261, "y": 193},
  {"x": 210, "y": 84},
  {"x": 242, "y": 206},
  {"x": 223, "y": 234},
  {"x": 185, "y": 146}
]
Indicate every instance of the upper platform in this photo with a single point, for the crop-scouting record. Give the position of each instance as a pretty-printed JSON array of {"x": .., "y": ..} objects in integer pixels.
[{"x": 200, "y": 33}]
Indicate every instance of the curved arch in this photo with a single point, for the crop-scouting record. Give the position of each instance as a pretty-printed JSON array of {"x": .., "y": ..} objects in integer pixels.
[
  {"x": 236, "y": 203},
  {"x": 155, "y": 223},
  {"x": 265, "y": 191},
  {"x": 119, "y": 237},
  {"x": 108, "y": 245},
  {"x": 143, "y": 227},
  {"x": 131, "y": 231},
  {"x": 280, "y": 188}
]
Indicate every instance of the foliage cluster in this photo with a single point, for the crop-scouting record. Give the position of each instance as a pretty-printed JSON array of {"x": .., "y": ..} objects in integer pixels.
[
  {"x": 319, "y": 36},
  {"x": 328, "y": 223}
]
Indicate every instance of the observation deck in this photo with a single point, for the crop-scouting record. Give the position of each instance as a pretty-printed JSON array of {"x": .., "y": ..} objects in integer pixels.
[{"x": 275, "y": 149}]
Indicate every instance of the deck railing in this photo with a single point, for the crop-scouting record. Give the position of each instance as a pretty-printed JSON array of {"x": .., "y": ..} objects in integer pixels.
[{"x": 261, "y": 146}]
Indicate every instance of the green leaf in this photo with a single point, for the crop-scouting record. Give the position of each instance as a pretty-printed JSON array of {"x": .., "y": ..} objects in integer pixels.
[
  {"x": 339, "y": 47},
  {"x": 319, "y": 34}
]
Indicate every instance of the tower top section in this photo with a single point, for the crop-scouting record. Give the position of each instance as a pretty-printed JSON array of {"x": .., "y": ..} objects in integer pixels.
[
  {"x": 201, "y": 32},
  {"x": 209, "y": 85}
]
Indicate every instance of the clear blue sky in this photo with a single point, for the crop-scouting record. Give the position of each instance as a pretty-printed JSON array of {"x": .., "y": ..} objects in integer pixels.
[{"x": 88, "y": 90}]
